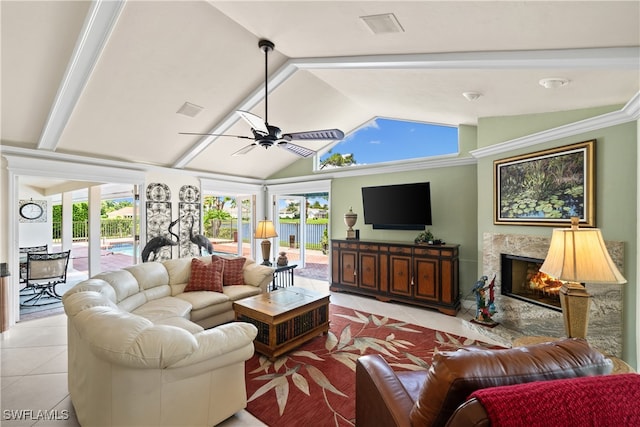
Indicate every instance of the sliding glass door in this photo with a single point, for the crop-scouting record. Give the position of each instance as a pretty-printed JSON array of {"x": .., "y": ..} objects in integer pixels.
[{"x": 290, "y": 220}]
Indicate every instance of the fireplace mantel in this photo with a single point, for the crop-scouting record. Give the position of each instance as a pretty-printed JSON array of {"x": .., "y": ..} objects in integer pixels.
[{"x": 518, "y": 318}]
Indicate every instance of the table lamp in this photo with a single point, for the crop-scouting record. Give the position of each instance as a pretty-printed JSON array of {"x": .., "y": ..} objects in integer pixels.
[
  {"x": 576, "y": 256},
  {"x": 265, "y": 230}
]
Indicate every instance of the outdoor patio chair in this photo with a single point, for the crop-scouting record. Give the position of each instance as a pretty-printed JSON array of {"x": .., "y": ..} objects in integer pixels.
[
  {"x": 44, "y": 273},
  {"x": 42, "y": 249}
]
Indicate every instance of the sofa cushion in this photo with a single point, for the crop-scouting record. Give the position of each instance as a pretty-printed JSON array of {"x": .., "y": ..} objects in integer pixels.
[
  {"x": 201, "y": 299},
  {"x": 256, "y": 274},
  {"x": 122, "y": 281},
  {"x": 453, "y": 376},
  {"x": 179, "y": 269},
  {"x": 236, "y": 293},
  {"x": 163, "y": 308},
  {"x": 181, "y": 322},
  {"x": 205, "y": 277},
  {"x": 149, "y": 274},
  {"x": 232, "y": 270}
]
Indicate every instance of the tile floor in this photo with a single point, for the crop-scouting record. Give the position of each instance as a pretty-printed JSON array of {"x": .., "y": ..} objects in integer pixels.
[{"x": 33, "y": 358}]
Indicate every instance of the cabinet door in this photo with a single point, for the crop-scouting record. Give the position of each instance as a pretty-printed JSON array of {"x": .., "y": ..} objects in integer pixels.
[
  {"x": 425, "y": 277},
  {"x": 449, "y": 280},
  {"x": 368, "y": 271},
  {"x": 349, "y": 268},
  {"x": 400, "y": 275}
]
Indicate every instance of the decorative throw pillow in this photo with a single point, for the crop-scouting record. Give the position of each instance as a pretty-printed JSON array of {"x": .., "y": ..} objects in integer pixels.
[
  {"x": 205, "y": 277},
  {"x": 232, "y": 271}
]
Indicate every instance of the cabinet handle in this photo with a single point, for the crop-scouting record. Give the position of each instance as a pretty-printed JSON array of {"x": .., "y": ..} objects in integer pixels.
[
  {"x": 355, "y": 272},
  {"x": 412, "y": 284}
]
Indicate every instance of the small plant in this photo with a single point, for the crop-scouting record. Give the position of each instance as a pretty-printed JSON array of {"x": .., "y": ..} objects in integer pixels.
[
  {"x": 424, "y": 237},
  {"x": 324, "y": 241}
]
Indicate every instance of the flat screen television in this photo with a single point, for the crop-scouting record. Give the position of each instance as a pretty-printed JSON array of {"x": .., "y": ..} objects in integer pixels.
[{"x": 397, "y": 207}]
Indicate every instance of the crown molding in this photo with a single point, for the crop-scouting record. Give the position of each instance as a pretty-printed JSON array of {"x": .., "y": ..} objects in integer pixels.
[
  {"x": 630, "y": 112},
  {"x": 59, "y": 165},
  {"x": 395, "y": 167}
]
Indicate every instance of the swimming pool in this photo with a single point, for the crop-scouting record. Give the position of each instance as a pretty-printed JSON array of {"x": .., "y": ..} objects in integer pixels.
[{"x": 122, "y": 248}]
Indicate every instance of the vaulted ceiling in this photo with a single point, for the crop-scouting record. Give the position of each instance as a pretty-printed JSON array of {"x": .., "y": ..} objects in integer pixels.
[{"x": 106, "y": 79}]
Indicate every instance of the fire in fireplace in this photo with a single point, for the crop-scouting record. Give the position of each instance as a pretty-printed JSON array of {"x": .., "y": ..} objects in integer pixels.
[{"x": 522, "y": 279}]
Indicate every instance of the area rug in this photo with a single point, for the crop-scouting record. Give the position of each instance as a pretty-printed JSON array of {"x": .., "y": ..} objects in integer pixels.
[{"x": 315, "y": 384}]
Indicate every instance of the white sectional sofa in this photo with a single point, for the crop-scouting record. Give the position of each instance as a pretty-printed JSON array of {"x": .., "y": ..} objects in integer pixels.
[{"x": 139, "y": 353}]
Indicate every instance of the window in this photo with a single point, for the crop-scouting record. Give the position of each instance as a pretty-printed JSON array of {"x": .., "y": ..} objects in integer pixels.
[{"x": 385, "y": 140}]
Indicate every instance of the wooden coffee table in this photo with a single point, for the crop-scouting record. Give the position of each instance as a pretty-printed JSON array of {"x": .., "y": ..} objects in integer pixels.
[{"x": 285, "y": 318}]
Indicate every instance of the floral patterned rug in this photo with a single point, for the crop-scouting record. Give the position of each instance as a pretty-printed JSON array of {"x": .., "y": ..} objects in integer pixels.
[{"x": 315, "y": 384}]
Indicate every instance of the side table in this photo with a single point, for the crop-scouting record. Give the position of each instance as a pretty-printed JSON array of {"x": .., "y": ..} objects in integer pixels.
[{"x": 283, "y": 277}]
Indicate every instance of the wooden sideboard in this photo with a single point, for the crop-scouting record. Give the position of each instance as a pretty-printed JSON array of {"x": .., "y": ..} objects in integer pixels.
[{"x": 423, "y": 275}]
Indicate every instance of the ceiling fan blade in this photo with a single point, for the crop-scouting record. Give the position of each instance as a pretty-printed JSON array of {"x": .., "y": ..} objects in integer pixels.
[
  {"x": 254, "y": 121},
  {"x": 325, "y": 134},
  {"x": 214, "y": 134},
  {"x": 245, "y": 150},
  {"x": 296, "y": 149}
]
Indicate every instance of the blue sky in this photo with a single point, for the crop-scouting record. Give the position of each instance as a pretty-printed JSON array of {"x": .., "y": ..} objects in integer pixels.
[{"x": 383, "y": 140}]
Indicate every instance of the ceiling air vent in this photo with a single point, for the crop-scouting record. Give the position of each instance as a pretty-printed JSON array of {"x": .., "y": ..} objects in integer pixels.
[
  {"x": 382, "y": 24},
  {"x": 189, "y": 109}
]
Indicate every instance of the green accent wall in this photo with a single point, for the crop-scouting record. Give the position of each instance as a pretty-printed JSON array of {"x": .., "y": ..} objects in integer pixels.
[
  {"x": 453, "y": 209},
  {"x": 616, "y": 189},
  {"x": 462, "y": 196}
]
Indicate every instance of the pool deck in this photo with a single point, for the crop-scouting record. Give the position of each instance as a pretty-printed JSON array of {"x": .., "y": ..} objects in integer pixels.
[{"x": 316, "y": 261}]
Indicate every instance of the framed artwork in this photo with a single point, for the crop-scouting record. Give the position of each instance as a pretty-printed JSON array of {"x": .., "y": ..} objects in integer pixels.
[{"x": 546, "y": 187}]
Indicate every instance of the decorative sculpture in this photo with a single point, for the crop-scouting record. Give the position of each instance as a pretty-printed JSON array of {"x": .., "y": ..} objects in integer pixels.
[
  {"x": 200, "y": 240},
  {"x": 350, "y": 219},
  {"x": 485, "y": 307},
  {"x": 154, "y": 245},
  {"x": 282, "y": 259}
]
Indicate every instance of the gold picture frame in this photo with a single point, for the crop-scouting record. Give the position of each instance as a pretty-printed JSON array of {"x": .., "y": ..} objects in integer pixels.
[{"x": 547, "y": 187}]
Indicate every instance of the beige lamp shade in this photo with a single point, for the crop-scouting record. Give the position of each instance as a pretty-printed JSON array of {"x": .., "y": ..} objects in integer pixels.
[
  {"x": 265, "y": 230},
  {"x": 580, "y": 255}
]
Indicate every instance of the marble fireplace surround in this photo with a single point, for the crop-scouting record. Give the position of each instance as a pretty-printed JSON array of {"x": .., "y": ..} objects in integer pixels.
[{"x": 519, "y": 318}]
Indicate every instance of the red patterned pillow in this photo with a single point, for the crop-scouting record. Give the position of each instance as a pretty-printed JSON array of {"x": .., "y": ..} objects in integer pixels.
[
  {"x": 205, "y": 277},
  {"x": 232, "y": 271}
]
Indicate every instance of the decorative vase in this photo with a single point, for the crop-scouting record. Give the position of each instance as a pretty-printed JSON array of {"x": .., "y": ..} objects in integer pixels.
[
  {"x": 350, "y": 219},
  {"x": 282, "y": 259}
]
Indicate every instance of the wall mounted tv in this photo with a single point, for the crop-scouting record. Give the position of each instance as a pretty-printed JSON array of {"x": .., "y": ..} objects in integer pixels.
[{"x": 397, "y": 207}]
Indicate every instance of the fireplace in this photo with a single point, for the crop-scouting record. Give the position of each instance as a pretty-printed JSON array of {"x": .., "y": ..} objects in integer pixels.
[
  {"x": 518, "y": 317},
  {"x": 522, "y": 279}
]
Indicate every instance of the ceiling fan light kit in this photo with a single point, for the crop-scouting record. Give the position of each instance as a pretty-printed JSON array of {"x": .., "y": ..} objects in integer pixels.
[{"x": 266, "y": 135}]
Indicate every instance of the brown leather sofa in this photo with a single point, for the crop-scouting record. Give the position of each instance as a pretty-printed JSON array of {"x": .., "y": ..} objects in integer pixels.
[{"x": 437, "y": 397}]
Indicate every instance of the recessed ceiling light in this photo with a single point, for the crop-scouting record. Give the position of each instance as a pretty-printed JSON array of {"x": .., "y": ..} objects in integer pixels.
[
  {"x": 383, "y": 23},
  {"x": 553, "y": 82},
  {"x": 189, "y": 109},
  {"x": 471, "y": 96}
]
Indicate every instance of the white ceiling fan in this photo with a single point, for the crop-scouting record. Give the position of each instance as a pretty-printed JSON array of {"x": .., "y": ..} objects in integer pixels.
[{"x": 266, "y": 135}]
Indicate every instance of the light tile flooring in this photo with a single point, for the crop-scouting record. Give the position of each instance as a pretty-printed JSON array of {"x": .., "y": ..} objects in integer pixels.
[{"x": 33, "y": 358}]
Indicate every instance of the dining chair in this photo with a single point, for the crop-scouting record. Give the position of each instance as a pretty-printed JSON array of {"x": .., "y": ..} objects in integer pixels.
[
  {"x": 44, "y": 273},
  {"x": 42, "y": 249}
]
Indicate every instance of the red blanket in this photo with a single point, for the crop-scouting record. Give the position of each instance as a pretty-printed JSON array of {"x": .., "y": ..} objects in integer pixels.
[{"x": 605, "y": 400}]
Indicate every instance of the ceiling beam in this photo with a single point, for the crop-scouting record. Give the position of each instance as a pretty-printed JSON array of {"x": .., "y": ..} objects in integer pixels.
[
  {"x": 95, "y": 32},
  {"x": 617, "y": 57}
]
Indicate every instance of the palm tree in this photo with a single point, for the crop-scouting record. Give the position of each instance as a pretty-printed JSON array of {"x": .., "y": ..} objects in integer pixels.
[
  {"x": 214, "y": 212},
  {"x": 339, "y": 160}
]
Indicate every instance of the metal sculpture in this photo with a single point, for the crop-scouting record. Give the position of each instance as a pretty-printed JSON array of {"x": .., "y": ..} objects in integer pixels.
[
  {"x": 201, "y": 241},
  {"x": 154, "y": 245}
]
